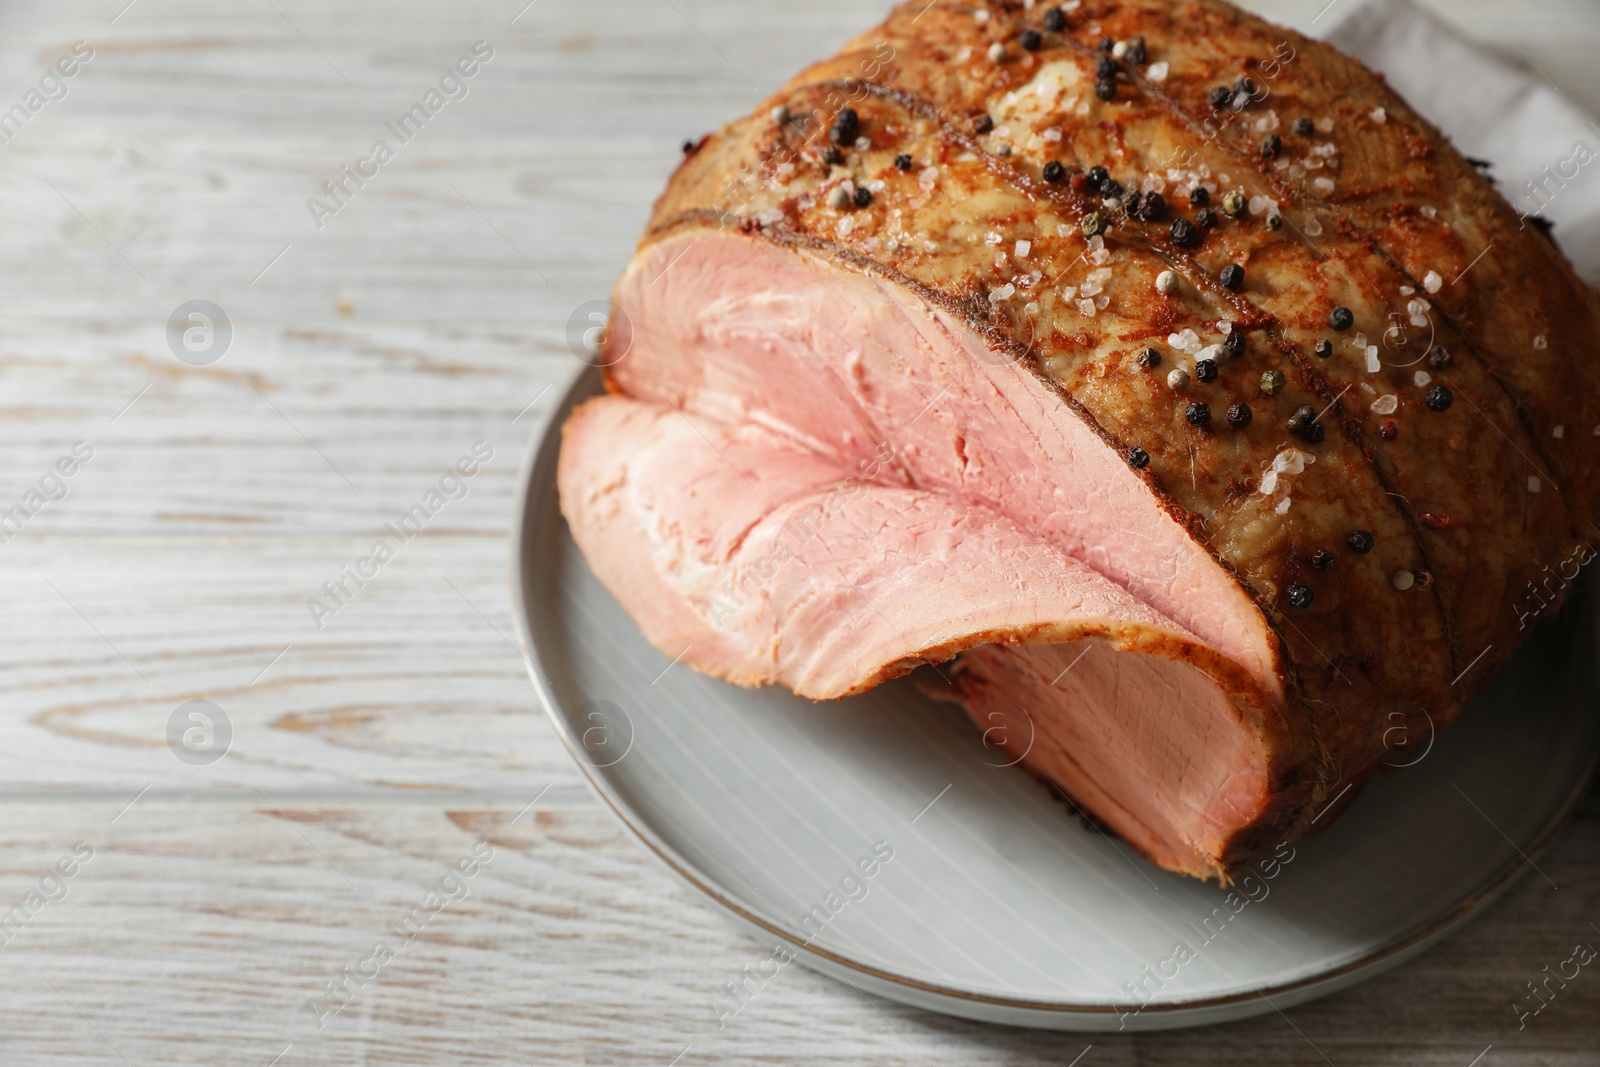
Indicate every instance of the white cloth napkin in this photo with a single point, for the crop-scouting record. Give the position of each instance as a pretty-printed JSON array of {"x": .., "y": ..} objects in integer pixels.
[{"x": 1495, "y": 105}]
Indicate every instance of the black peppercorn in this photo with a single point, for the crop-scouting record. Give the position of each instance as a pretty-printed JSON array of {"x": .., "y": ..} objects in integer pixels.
[
  {"x": 1106, "y": 44},
  {"x": 1232, "y": 277},
  {"x": 832, "y": 156},
  {"x": 1239, "y": 415},
  {"x": 1111, "y": 188},
  {"x": 1304, "y": 127},
  {"x": 1205, "y": 218},
  {"x": 902, "y": 162},
  {"x": 1342, "y": 318},
  {"x": 845, "y": 127},
  {"x": 1133, "y": 204},
  {"x": 1322, "y": 559},
  {"x": 1271, "y": 146},
  {"x": 1245, "y": 86},
  {"x": 1360, "y": 542},
  {"x": 1313, "y": 432},
  {"x": 1300, "y": 596},
  {"x": 1135, "y": 53},
  {"x": 1302, "y": 416},
  {"x": 1055, "y": 20},
  {"x": 1097, "y": 177},
  {"x": 1439, "y": 398},
  {"x": 1054, "y": 171},
  {"x": 1149, "y": 359},
  {"x": 863, "y": 196},
  {"x": 1105, "y": 67},
  {"x": 1234, "y": 342},
  {"x": 1220, "y": 96},
  {"x": 1439, "y": 358},
  {"x": 1184, "y": 233},
  {"x": 1197, "y": 413},
  {"x": 1138, "y": 458},
  {"x": 1152, "y": 207},
  {"x": 1205, "y": 370},
  {"x": 1274, "y": 221},
  {"x": 688, "y": 147},
  {"x": 1031, "y": 40},
  {"x": 1199, "y": 196},
  {"x": 1105, "y": 89},
  {"x": 983, "y": 125},
  {"x": 1324, "y": 349}
]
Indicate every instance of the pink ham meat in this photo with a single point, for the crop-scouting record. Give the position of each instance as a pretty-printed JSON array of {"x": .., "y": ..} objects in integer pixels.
[
  {"x": 841, "y": 485},
  {"x": 896, "y": 392}
]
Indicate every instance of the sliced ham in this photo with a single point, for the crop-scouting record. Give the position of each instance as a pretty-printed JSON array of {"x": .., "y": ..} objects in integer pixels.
[{"x": 882, "y": 400}]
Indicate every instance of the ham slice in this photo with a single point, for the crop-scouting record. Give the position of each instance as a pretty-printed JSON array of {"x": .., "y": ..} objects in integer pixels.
[{"x": 882, "y": 395}]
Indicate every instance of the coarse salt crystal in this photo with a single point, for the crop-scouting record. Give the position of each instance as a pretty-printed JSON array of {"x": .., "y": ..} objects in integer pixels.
[
  {"x": 1422, "y": 378},
  {"x": 1023, "y": 248},
  {"x": 1158, "y": 71},
  {"x": 1102, "y": 302},
  {"x": 1053, "y": 134},
  {"x": 997, "y": 51},
  {"x": 992, "y": 238},
  {"x": 1000, "y": 260},
  {"x": 1313, "y": 227},
  {"x": 1386, "y": 404},
  {"x": 982, "y": 14},
  {"x": 1378, "y": 115},
  {"x": 1324, "y": 184},
  {"x": 1292, "y": 461},
  {"x": 1283, "y": 506},
  {"x": 863, "y": 144},
  {"x": 1429, "y": 211},
  {"x": 964, "y": 55},
  {"x": 1373, "y": 365},
  {"x": 1432, "y": 281},
  {"x": 1406, "y": 290},
  {"x": 1541, "y": 342},
  {"x": 1070, "y": 293},
  {"x": 1325, "y": 124},
  {"x": 1211, "y": 352},
  {"x": 1534, "y": 484},
  {"x": 1259, "y": 204},
  {"x": 1087, "y": 307},
  {"x": 1269, "y": 483},
  {"x": 1559, "y": 431},
  {"x": 1005, "y": 292}
]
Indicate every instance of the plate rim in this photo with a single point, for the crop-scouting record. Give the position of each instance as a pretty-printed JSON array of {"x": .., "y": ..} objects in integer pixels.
[{"x": 542, "y": 452}]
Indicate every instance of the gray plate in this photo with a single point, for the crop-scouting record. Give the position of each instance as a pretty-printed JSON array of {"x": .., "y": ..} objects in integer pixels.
[{"x": 997, "y": 902}]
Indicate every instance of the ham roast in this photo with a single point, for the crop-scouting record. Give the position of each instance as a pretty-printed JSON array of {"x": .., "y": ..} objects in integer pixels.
[{"x": 1156, "y": 365}]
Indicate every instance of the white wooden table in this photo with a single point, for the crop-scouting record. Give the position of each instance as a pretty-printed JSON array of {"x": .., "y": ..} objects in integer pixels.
[{"x": 370, "y": 754}]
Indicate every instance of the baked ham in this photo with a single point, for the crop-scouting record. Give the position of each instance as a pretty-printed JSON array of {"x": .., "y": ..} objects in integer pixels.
[{"x": 1156, "y": 365}]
